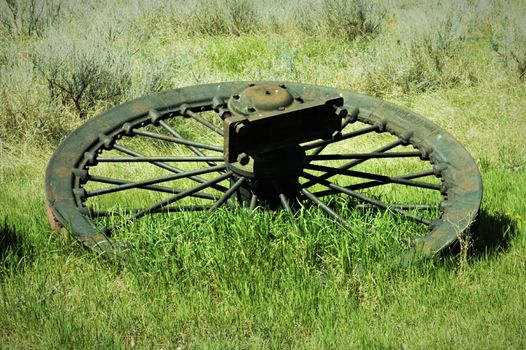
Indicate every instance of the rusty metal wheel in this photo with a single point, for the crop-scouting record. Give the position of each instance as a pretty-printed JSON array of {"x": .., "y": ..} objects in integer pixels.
[{"x": 265, "y": 145}]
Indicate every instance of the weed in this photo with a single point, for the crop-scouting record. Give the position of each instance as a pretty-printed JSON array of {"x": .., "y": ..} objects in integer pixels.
[
  {"x": 29, "y": 17},
  {"x": 26, "y": 113},
  {"x": 426, "y": 50},
  {"x": 230, "y": 280},
  {"x": 82, "y": 73},
  {"x": 508, "y": 38},
  {"x": 353, "y": 19}
]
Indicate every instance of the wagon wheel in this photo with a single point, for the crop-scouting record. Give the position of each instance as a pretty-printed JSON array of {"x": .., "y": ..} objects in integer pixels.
[{"x": 264, "y": 145}]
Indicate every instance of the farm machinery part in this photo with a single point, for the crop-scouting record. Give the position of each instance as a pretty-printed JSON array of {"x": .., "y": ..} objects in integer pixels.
[{"x": 275, "y": 146}]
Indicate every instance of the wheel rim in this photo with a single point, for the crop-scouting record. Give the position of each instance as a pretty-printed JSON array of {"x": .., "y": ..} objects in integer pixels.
[{"x": 76, "y": 189}]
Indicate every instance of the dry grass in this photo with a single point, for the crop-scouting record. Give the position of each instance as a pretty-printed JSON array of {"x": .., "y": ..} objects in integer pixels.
[
  {"x": 260, "y": 283},
  {"x": 74, "y": 65}
]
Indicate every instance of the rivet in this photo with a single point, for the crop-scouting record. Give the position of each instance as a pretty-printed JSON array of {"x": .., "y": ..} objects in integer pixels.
[{"x": 243, "y": 158}]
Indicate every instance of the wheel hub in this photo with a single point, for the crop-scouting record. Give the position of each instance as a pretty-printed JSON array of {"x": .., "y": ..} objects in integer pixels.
[
  {"x": 267, "y": 124},
  {"x": 259, "y": 98}
]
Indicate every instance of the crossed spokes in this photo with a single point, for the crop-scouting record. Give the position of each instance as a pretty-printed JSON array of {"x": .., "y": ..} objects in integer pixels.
[{"x": 177, "y": 165}]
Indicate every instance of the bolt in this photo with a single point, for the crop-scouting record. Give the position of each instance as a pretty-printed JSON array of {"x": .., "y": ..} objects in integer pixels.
[
  {"x": 243, "y": 158},
  {"x": 90, "y": 158},
  {"x": 444, "y": 205},
  {"x": 217, "y": 103},
  {"x": 444, "y": 188},
  {"x": 353, "y": 116},
  {"x": 80, "y": 194},
  {"x": 380, "y": 125},
  {"x": 82, "y": 174},
  {"x": 425, "y": 152},
  {"x": 406, "y": 137},
  {"x": 241, "y": 129},
  {"x": 224, "y": 113},
  {"x": 337, "y": 135},
  {"x": 154, "y": 116},
  {"x": 439, "y": 169},
  {"x": 281, "y": 108},
  {"x": 340, "y": 111},
  {"x": 127, "y": 128},
  {"x": 184, "y": 109},
  {"x": 106, "y": 141}
]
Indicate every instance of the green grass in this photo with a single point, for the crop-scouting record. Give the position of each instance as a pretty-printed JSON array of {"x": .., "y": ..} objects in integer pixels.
[{"x": 227, "y": 280}]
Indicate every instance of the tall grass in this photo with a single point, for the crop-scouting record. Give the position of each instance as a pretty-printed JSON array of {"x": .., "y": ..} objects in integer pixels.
[
  {"x": 227, "y": 280},
  {"x": 83, "y": 73},
  {"x": 508, "y": 37},
  {"x": 353, "y": 19},
  {"x": 78, "y": 65},
  {"x": 29, "y": 17},
  {"x": 426, "y": 49}
]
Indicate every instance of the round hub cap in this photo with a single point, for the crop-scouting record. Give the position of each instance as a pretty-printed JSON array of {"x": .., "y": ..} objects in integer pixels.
[{"x": 260, "y": 98}]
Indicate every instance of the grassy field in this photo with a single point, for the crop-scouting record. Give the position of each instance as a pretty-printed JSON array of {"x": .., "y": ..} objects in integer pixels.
[{"x": 232, "y": 281}]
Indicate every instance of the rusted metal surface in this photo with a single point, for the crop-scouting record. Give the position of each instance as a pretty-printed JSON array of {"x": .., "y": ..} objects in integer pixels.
[
  {"x": 268, "y": 130},
  {"x": 270, "y": 117}
]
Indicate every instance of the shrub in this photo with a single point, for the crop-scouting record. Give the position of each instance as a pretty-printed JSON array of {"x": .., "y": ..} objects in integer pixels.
[
  {"x": 426, "y": 49},
  {"x": 215, "y": 17},
  {"x": 83, "y": 72},
  {"x": 351, "y": 19},
  {"x": 26, "y": 112},
  {"x": 29, "y": 17},
  {"x": 509, "y": 38}
]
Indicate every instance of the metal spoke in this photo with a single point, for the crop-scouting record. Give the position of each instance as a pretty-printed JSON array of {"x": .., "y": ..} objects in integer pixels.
[
  {"x": 284, "y": 202},
  {"x": 177, "y": 140},
  {"x": 350, "y": 118},
  {"x": 157, "y": 159},
  {"x": 370, "y": 176},
  {"x": 346, "y": 121},
  {"x": 163, "y": 189},
  {"x": 419, "y": 174},
  {"x": 354, "y": 162},
  {"x": 402, "y": 206},
  {"x": 165, "y": 166},
  {"x": 343, "y": 137},
  {"x": 195, "y": 150},
  {"x": 253, "y": 203},
  {"x": 164, "y": 210},
  {"x": 368, "y": 200},
  {"x": 364, "y": 155},
  {"x": 323, "y": 206},
  {"x": 139, "y": 184},
  {"x": 172, "y": 199},
  {"x": 281, "y": 195},
  {"x": 133, "y": 153},
  {"x": 369, "y": 184},
  {"x": 228, "y": 194},
  {"x": 203, "y": 121}
]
